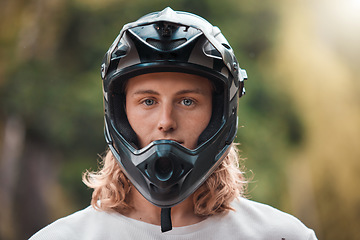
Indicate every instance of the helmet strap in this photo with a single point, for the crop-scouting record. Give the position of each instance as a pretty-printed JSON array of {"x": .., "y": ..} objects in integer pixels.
[{"x": 166, "y": 224}]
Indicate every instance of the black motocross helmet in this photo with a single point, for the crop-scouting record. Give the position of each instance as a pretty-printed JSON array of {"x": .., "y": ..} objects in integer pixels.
[{"x": 165, "y": 172}]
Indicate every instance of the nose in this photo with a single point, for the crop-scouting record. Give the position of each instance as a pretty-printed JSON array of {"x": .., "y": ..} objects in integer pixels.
[{"x": 167, "y": 119}]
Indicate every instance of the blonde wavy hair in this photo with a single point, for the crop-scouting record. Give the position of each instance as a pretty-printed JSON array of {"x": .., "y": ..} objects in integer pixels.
[{"x": 112, "y": 187}]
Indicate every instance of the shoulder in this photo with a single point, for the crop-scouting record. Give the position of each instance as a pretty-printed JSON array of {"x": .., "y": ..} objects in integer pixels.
[
  {"x": 74, "y": 226},
  {"x": 256, "y": 218},
  {"x": 260, "y": 212}
]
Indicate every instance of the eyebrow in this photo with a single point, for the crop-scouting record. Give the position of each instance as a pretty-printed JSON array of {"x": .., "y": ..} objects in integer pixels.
[
  {"x": 145, "y": 92},
  {"x": 185, "y": 91}
]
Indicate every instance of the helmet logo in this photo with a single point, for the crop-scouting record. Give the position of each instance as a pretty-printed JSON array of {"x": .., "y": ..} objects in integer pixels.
[{"x": 103, "y": 70}]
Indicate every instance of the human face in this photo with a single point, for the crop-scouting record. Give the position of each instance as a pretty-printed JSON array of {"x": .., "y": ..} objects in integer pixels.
[{"x": 169, "y": 105}]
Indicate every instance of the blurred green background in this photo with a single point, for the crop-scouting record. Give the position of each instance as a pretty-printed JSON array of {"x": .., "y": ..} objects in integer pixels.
[{"x": 300, "y": 118}]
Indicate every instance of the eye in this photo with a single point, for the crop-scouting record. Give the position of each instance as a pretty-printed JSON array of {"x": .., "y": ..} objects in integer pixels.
[
  {"x": 187, "y": 102},
  {"x": 149, "y": 102}
]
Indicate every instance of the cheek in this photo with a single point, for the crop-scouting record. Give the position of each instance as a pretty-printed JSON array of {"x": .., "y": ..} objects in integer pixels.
[
  {"x": 197, "y": 123},
  {"x": 136, "y": 119},
  {"x": 205, "y": 116}
]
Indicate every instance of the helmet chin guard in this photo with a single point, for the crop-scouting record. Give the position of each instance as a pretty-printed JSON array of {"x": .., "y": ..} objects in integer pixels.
[{"x": 165, "y": 172}]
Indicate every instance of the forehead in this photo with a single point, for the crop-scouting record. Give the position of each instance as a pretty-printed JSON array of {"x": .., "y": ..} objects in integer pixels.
[{"x": 168, "y": 79}]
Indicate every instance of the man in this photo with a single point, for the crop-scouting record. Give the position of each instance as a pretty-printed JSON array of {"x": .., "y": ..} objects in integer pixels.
[{"x": 171, "y": 86}]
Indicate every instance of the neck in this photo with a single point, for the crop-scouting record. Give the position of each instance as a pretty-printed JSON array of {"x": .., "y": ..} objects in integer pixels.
[{"x": 181, "y": 215}]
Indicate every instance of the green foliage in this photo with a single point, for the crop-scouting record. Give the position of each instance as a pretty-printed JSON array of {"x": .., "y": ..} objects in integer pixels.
[{"x": 57, "y": 107}]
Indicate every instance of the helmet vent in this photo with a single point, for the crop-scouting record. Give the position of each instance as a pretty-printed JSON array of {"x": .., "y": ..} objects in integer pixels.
[
  {"x": 164, "y": 169},
  {"x": 120, "y": 52},
  {"x": 226, "y": 46},
  {"x": 166, "y": 45}
]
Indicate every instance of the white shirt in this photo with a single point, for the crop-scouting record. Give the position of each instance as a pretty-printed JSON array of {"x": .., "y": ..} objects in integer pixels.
[{"x": 251, "y": 220}]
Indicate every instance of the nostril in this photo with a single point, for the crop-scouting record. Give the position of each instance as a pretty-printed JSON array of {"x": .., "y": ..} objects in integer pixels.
[
  {"x": 167, "y": 126},
  {"x": 164, "y": 169}
]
